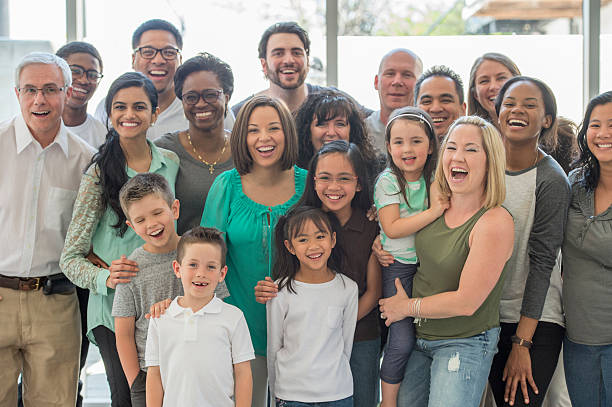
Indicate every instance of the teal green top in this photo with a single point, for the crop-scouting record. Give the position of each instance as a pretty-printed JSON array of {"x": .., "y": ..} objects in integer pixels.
[
  {"x": 442, "y": 255},
  {"x": 91, "y": 226},
  {"x": 387, "y": 192},
  {"x": 249, "y": 230}
]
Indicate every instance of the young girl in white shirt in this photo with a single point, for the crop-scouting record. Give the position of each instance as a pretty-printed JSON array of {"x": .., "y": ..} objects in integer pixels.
[{"x": 311, "y": 321}]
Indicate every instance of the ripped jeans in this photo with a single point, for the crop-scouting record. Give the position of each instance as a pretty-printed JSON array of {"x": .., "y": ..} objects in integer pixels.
[{"x": 448, "y": 372}]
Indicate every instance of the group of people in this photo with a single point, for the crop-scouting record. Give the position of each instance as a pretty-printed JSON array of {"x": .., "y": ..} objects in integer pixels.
[{"x": 279, "y": 244}]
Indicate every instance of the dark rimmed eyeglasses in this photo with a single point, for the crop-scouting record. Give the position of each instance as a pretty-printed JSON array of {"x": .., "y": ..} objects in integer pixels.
[
  {"x": 208, "y": 95},
  {"x": 168, "y": 53},
  {"x": 91, "y": 74}
]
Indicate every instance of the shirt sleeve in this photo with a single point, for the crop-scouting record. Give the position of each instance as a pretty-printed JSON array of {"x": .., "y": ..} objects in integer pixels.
[
  {"x": 152, "y": 347},
  {"x": 124, "y": 303},
  {"x": 350, "y": 317},
  {"x": 552, "y": 202},
  {"x": 242, "y": 347},
  {"x": 386, "y": 191},
  {"x": 275, "y": 317},
  {"x": 86, "y": 215},
  {"x": 216, "y": 209}
]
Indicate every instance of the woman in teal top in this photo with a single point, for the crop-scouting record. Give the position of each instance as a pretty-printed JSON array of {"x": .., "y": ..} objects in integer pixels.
[
  {"x": 97, "y": 235},
  {"x": 246, "y": 202}
]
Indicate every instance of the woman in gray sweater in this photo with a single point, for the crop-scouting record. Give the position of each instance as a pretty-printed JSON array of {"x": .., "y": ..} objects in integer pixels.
[{"x": 587, "y": 262}]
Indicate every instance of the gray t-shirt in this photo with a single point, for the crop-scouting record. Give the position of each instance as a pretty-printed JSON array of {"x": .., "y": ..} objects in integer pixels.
[
  {"x": 192, "y": 182},
  {"x": 587, "y": 269},
  {"x": 376, "y": 131},
  {"x": 154, "y": 282}
]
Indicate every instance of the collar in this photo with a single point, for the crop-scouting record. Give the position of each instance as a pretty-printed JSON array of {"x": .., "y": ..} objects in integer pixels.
[
  {"x": 213, "y": 307},
  {"x": 357, "y": 221},
  {"x": 23, "y": 136},
  {"x": 157, "y": 160}
]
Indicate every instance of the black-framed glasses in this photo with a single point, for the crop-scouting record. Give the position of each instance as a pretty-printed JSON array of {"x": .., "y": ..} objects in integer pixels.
[
  {"x": 168, "y": 53},
  {"x": 91, "y": 74},
  {"x": 47, "y": 91},
  {"x": 208, "y": 95}
]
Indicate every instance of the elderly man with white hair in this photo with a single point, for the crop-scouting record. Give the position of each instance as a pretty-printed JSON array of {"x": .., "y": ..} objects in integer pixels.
[{"x": 40, "y": 171}]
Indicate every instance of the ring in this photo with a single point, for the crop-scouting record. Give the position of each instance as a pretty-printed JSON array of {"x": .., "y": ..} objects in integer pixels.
[{"x": 382, "y": 316}]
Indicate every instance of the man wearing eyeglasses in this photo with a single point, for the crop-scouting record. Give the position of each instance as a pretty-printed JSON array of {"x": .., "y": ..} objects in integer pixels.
[
  {"x": 86, "y": 66},
  {"x": 42, "y": 164},
  {"x": 157, "y": 46}
]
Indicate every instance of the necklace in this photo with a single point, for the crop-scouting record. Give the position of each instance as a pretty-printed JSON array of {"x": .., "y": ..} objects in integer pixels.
[{"x": 211, "y": 166}]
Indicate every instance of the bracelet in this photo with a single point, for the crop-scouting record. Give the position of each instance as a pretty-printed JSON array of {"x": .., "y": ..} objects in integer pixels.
[{"x": 521, "y": 342}]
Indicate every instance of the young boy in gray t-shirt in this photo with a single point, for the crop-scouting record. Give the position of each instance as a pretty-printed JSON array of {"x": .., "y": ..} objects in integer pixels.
[{"x": 151, "y": 210}]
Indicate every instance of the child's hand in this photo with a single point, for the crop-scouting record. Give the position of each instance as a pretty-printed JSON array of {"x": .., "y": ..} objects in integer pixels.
[
  {"x": 372, "y": 214},
  {"x": 158, "y": 309},
  {"x": 120, "y": 271},
  {"x": 384, "y": 257},
  {"x": 265, "y": 290},
  {"x": 438, "y": 201}
]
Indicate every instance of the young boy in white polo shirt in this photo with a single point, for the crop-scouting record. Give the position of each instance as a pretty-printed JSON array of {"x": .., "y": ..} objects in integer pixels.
[{"x": 198, "y": 353}]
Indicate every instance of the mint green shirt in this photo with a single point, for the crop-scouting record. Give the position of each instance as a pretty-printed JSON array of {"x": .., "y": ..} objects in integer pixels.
[
  {"x": 91, "y": 226},
  {"x": 387, "y": 192},
  {"x": 249, "y": 230}
]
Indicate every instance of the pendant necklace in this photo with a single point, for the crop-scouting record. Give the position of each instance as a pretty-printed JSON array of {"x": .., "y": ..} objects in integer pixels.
[{"x": 211, "y": 166}]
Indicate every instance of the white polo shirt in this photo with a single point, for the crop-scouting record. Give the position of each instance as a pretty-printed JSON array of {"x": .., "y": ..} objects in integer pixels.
[
  {"x": 39, "y": 187},
  {"x": 196, "y": 352}
]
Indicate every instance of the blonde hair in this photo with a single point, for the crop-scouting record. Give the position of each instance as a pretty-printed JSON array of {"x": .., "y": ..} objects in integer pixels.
[{"x": 495, "y": 182}]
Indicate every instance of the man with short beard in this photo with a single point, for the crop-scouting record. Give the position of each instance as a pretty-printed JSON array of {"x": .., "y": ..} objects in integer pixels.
[{"x": 284, "y": 49}]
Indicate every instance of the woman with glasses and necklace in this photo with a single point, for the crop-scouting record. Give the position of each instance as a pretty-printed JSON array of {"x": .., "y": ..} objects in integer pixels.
[{"x": 204, "y": 84}]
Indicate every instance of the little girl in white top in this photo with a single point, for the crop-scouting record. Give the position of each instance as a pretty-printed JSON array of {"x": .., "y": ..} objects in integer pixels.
[{"x": 311, "y": 321}]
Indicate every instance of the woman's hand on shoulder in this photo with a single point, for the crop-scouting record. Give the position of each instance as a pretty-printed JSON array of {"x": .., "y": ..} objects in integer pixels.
[
  {"x": 120, "y": 271},
  {"x": 265, "y": 290}
]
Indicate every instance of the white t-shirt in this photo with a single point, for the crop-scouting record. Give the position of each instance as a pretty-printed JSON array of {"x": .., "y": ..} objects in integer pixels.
[
  {"x": 92, "y": 131},
  {"x": 310, "y": 337},
  {"x": 196, "y": 353},
  {"x": 170, "y": 120}
]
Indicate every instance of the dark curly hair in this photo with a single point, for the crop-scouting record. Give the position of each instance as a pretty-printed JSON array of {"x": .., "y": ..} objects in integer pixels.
[
  {"x": 324, "y": 106},
  {"x": 587, "y": 164}
]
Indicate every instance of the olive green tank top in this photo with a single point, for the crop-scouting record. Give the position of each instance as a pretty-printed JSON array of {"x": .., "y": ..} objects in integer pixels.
[{"x": 442, "y": 253}]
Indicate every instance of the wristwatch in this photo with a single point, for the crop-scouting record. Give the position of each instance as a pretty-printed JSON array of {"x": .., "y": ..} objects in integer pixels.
[{"x": 521, "y": 342}]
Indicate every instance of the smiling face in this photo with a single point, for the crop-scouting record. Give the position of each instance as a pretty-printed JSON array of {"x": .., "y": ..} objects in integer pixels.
[
  {"x": 464, "y": 160},
  {"x": 286, "y": 62},
  {"x": 82, "y": 88},
  {"x": 395, "y": 81},
  {"x": 131, "y": 114},
  {"x": 490, "y": 77},
  {"x": 599, "y": 133},
  {"x": 42, "y": 114},
  {"x": 409, "y": 148},
  {"x": 336, "y": 184},
  {"x": 522, "y": 113},
  {"x": 438, "y": 97},
  {"x": 153, "y": 220},
  {"x": 337, "y": 128},
  {"x": 204, "y": 115},
  {"x": 265, "y": 138},
  {"x": 160, "y": 71},
  {"x": 312, "y": 246},
  {"x": 200, "y": 271}
]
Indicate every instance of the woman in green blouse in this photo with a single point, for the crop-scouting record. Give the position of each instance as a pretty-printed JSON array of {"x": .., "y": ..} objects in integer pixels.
[
  {"x": 246, "y": 202},
  {"x": 98, "y": 232}
]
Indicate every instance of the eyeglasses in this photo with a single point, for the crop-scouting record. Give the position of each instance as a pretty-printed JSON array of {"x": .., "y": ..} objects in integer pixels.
[
  {"x": 208, "y": 95},
  {"x": 342, "y": 179},
  {"x": 47, "y": 91},
  {"x": 168, "y": 53},
  {"x": 92, "y": 75}
]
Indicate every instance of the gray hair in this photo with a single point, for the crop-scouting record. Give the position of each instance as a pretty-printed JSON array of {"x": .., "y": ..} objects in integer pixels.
[
  {"x": 418, "y": 64},
  {"x": 44, "y": 58}
]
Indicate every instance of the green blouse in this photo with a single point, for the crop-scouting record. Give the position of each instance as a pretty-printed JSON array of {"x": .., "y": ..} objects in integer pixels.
[
  {"x": 91, "y": 226},
  {"x": 249, "y": 230}
]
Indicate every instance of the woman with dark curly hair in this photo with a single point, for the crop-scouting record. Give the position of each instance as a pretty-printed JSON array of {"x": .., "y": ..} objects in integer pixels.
[
  {"x": 587, "y": 262},
  {"x": 330, "y": 115}
]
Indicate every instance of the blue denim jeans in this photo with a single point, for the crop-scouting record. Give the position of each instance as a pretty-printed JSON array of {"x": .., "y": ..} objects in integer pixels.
[
  {"x": 347, "y": 402},
  {"x": 588, "y": 373},
  {"x": 401, "y": 333},
  {"x": 449, "y": 372},
  {"x": 365, "y": 359}
]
